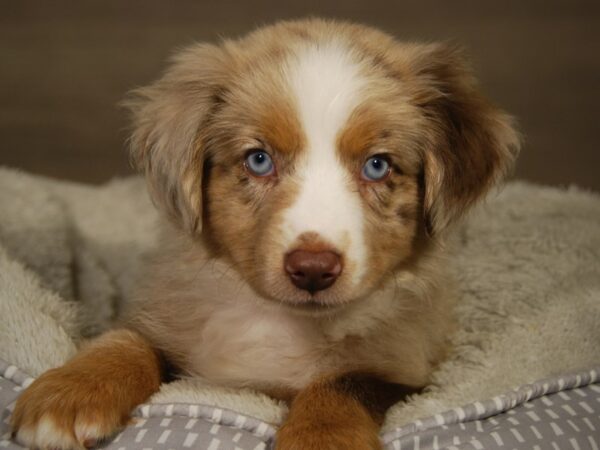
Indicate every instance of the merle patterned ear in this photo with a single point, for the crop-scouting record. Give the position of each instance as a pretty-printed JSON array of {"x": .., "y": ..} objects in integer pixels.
[
  {"x": 475, "y": 143},
  {"x": 167, "y": 118}
]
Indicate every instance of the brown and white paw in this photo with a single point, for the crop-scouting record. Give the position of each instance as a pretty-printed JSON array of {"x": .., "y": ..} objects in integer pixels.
[{"x": 64, "y": 410}]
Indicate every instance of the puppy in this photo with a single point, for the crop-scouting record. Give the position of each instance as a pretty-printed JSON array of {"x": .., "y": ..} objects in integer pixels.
[{"x": 310, "y": 174}]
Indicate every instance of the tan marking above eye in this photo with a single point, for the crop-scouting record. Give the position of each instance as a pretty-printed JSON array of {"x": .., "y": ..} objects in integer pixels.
[
  {"x": 281, "y": 127},
  {"x": 361, "y": 133}
]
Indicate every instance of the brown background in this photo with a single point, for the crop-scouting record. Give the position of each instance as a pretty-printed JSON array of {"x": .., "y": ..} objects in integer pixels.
[{"x": 64, "y": 66}]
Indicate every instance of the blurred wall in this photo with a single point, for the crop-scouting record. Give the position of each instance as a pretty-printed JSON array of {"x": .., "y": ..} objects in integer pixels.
[{"x": 65, "y": 65}]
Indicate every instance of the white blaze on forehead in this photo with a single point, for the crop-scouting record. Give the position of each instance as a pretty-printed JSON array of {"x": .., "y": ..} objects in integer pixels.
[{"x": 327, "y": 86}]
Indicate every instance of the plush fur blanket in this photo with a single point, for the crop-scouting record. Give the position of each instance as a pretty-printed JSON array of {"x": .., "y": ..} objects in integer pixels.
[{"x": 528, "y": 262}]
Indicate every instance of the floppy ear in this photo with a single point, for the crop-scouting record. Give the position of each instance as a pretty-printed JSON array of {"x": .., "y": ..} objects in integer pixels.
[
  {"x": 167, "y": 120},
  {"x": 473, "y": 144}
]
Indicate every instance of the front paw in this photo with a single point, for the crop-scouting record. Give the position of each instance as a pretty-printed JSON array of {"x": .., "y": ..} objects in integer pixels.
[
  {"x": 310, "y": 435},
  {"x": 67, "y": 409}
]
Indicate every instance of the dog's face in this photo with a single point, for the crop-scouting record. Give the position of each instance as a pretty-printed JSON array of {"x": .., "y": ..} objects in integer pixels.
[{"x": 319, "y": 158}]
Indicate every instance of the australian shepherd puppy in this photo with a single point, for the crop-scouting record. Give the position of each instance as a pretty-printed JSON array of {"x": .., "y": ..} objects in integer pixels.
[{"x": 310, "y": 173}]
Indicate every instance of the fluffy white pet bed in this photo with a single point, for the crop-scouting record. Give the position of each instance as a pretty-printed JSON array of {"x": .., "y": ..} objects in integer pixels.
[{"x": 528, "y": 265}]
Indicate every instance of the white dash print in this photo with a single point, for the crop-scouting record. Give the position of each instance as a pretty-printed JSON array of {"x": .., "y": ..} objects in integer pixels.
[
  {"x": 496, "y": 438},
  {"x": 165, "y": 422},
  {"x": 215, "y": 428},
  {"x": 580, "y": 392},
  {"x": 517, "y": 435},
  {"x": 536, "y": 432},
  {"x": 593, "y": 444},
  {"x": 164, "y": 436},
  {"x": 214, "y": 444},
  {"x": 261, "y": 429},
  {"x": 564, "y": 396},
  {"x": 479, "y": 408},
  {"x": 140, "y": 435},
  {"x": 547, "y": 401},
  {"x": 498, "y": 403},
  {"x": 552, "y": 414},
  {"x": 10, "y": 372},
  {"x": 216, "y": 415},
  {"x": 240, "y": 421},
  {"x": 569, "y": 410},
  {"x": 589, "y": 424},
  {"x": 557, "y": 430},
  {"x": 145, "y": 410},
  {"x": 476, "y": 444},
  {"x": 237, "y": 437},
  {"x": 575, "y": 444},
  {"x": 533, "y": 416},
  {"x": 575, "y": 427},
  {"x": 190, "y": 439},
  {"x": 587, "y": 407},
  {"x": 460, "y": 413},
  {"x": 190, "y": 424}
]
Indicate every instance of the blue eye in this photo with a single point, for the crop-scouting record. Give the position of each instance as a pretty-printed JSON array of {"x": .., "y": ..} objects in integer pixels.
[
  {"x": 375, "y": 169},
  {"x": 259, "y": 163}
]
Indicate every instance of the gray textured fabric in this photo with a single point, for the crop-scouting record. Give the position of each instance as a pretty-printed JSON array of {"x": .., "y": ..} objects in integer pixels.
[{"x": 558, "y": 413}]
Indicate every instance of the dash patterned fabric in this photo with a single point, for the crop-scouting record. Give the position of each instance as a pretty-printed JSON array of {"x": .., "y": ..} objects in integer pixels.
[{"x": 559, "y": 413}]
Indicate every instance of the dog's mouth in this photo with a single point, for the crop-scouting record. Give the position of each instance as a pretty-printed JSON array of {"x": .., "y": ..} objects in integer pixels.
[{"x": 313, "y": 305}]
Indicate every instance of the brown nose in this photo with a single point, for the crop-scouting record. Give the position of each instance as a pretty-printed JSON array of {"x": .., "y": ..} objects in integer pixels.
[{"x": 312, "y": 271}]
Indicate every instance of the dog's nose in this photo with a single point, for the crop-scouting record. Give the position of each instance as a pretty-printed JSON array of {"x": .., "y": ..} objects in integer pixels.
[{"x": 312, "y": 271}]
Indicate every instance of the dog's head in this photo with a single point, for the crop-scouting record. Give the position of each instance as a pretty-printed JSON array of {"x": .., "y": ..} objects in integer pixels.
[{"x": 319, "y": 158}]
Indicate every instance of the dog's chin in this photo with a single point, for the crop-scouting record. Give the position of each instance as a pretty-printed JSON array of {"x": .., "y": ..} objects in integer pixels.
[
  {"x": 314, "y": 307},
  {"x": 321, "y": 303}
]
